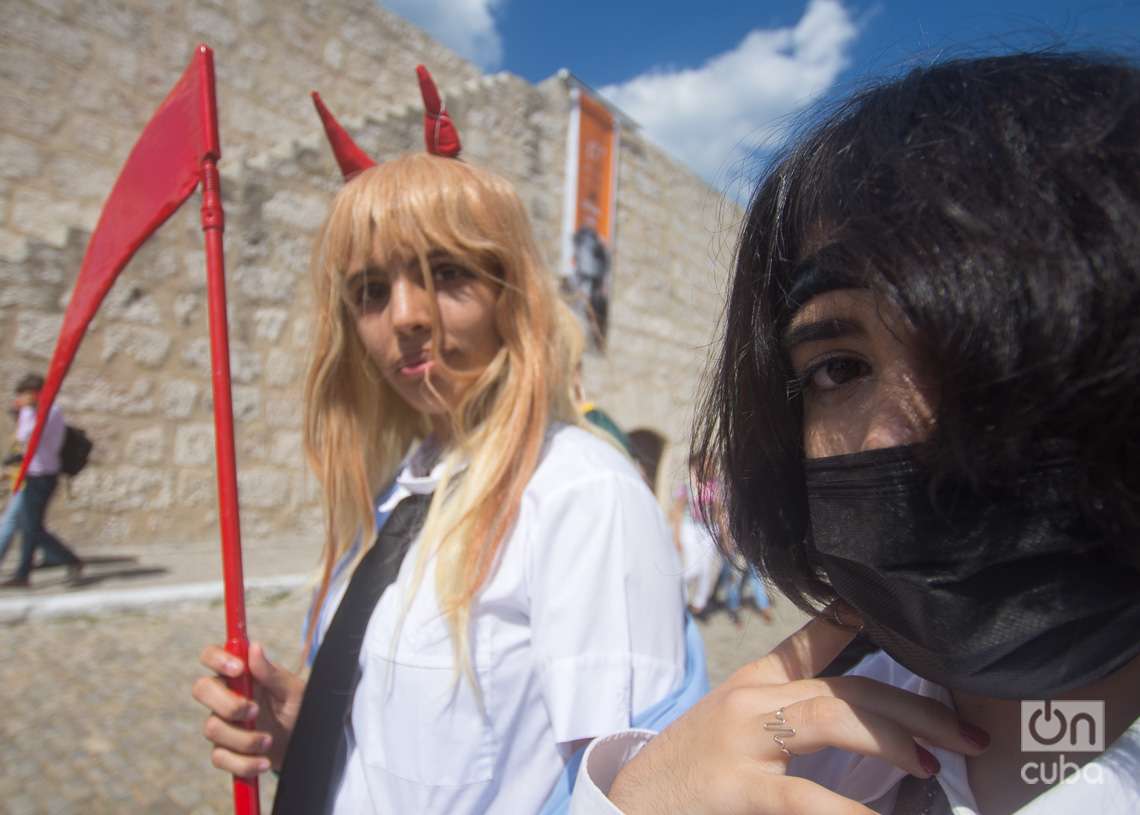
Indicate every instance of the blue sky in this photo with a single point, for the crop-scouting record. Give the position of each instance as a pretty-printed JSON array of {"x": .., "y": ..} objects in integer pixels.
[{"x": 715, "y": 82}]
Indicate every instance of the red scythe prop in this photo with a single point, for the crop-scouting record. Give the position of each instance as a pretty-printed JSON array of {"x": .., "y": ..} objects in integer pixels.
[{"x": 178, "y": 149}]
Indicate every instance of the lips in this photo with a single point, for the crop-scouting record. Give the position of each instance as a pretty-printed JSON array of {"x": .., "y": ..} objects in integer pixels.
[{"x": 415, "y": 364}]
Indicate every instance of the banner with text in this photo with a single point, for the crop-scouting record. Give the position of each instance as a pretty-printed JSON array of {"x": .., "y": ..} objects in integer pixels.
[{"x": 590, "y": 212}]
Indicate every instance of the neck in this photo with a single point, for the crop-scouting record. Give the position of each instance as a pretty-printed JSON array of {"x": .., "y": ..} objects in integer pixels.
[
  {"x": 441, "y": 429},
  {"x": 996, "y": 776}
]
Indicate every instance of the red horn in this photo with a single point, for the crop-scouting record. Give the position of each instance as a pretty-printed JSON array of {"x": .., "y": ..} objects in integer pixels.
[
  {"x": 348, "y": 154},
  {"x": 440, "y": 135}
]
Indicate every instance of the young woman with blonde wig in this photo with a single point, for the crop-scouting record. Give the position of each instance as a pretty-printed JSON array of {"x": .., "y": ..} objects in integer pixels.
[{"x": 462, "y": 676}]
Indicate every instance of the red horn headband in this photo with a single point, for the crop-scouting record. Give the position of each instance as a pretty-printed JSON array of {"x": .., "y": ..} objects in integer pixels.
[
  {"x": 348, "y": 154},
  {"x": 440, "y": 135}
]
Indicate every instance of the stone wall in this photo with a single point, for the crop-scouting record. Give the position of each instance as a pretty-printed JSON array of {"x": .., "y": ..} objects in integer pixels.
[{"x": 141, "y": 383}]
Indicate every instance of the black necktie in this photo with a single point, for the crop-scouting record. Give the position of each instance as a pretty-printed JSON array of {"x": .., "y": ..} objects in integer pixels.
[{"x": 317, "y": 745}]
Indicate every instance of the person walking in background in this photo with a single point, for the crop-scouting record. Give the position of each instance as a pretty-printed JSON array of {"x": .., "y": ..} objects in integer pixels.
[
  {"x": 10, "y": 520},
  {"x": 695, "y": 512},
  {"x": 39, "y": 487},
  {"x": 736, "y": 576}
]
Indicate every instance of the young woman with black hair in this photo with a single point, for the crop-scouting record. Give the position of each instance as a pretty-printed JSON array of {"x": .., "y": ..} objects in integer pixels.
[{"x": 927, "y": 418}]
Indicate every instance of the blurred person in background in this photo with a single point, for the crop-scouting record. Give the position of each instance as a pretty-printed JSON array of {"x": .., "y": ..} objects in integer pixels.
[{"x": 40, "y": 485}]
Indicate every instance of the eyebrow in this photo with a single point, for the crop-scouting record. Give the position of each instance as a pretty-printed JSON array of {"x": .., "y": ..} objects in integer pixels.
[{"x": 827, "y": 329}]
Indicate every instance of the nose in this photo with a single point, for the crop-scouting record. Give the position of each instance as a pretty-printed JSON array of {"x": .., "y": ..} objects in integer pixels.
[
  {"x": 899, "y": 417},
  {"x": 409, "y": 306}
]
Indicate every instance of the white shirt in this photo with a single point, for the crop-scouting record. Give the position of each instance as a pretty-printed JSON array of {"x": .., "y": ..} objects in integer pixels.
[
  {"x": 46, "y": 459},
  {"x": 1107, "y": 785},
  {"x": 579, "y": 627}
]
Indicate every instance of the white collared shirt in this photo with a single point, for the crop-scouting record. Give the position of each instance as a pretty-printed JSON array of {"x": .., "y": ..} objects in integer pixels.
[
  {"x": 578, "y": 628},
  {"x": 1108, "y": 785}
]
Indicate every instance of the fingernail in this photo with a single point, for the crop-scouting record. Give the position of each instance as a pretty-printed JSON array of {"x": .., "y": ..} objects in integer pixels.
[
  {"x": 251, "y": 711},
  {"x": 233, "y": 665},
  {"x": 263, "y": 765},
  {"x": 974, "y": 734},
  {"x": 264, "y": 743},
  {"x": 927, "y": 760}
]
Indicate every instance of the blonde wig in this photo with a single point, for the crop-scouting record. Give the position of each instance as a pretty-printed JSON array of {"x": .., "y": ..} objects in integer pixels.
[{"x": 358, "y": 430}]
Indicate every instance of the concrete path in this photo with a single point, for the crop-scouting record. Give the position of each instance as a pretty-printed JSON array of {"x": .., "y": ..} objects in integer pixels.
[{"x": 95, "y": 678}]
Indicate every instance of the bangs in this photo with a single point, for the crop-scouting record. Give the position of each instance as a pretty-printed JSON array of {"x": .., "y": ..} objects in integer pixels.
[{"x": 417, "y": 207}]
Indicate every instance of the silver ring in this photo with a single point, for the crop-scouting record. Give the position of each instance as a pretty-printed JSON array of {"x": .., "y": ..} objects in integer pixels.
[{"x": 780, "y": 729}]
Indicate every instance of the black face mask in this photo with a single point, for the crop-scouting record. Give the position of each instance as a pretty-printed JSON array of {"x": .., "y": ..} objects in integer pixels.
[{"x": 1008, "y": 596}]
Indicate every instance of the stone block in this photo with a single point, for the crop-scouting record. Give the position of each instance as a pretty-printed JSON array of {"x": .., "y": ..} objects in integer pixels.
[
  {"x": 303, "y": 333},
  {"x": 13, "y": 248},
  {"x": 283, "y": 412},
  {"x": 211, "y": 24},
  {"x": 18, "y": 158},
  {"x": 264, "y": 284},
  {"x": 287, "y": 449},
  {"x": 333, "y": 53},
  {"x": 28, "y": 296},
  {"x": 263, "y": 487},
  {"x": 268, "y": 323},
  {"x": 194, "y": 444},
  {"x": 147, "y": 446},
  {"x": 178, "y": 398},
  {"x": 196, "y": 488},
  {"x": 185, "y": 308},
  {"x": 36, "y": 333},
  {"x": 124, "y": 62},
  {"x": 111, "y": 17},
  {"x": 46, "y": 36},
  {"x": 81, "y": 178},
  {"x": 147, "y": 347},
  {"x": 119, "y": 489},
  {"x": 130, "y": 304},
  {"x": 245, "y": 363},
  {"x": 246, "y": 403},
  {"x": 250, "y": 12},
  {"x": 282, "y": 367},
  {"x": 90, "y": 393},
  {"x": 297, "y": 210},
  {"x": 48, "y": 217}
]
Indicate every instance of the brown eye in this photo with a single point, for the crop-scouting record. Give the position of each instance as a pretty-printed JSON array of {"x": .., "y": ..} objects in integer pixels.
[
  {"x": 835, "y": 372},
  {"x": 446, "y": 273},
  {"x": 368, "y": 293}
]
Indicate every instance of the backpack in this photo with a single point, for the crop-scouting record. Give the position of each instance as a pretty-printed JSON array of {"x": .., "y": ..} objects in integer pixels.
[{"x": 75, "y": 452}]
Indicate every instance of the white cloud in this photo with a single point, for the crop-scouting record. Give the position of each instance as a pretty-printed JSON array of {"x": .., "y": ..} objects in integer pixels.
[
  {"x": 713, "y": 116},
  {"x": 465, "y": 26}
]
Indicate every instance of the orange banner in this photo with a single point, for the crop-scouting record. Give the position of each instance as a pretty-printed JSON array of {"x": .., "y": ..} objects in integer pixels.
[{"x": 595, "y": 168}]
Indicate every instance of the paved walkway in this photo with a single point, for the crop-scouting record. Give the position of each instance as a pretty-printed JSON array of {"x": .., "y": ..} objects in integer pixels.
[
  {"x": 153, "y": 575},
  {"x": 95, "y": 678}
]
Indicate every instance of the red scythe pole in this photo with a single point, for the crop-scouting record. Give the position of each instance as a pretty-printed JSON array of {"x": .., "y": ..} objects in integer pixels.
[
  {"x": 246, "y": 800},
  {"x": 178, "y": 149}
]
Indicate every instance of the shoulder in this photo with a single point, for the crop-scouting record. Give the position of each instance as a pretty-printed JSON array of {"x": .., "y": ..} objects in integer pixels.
[{"x": 576, "y": 460}]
